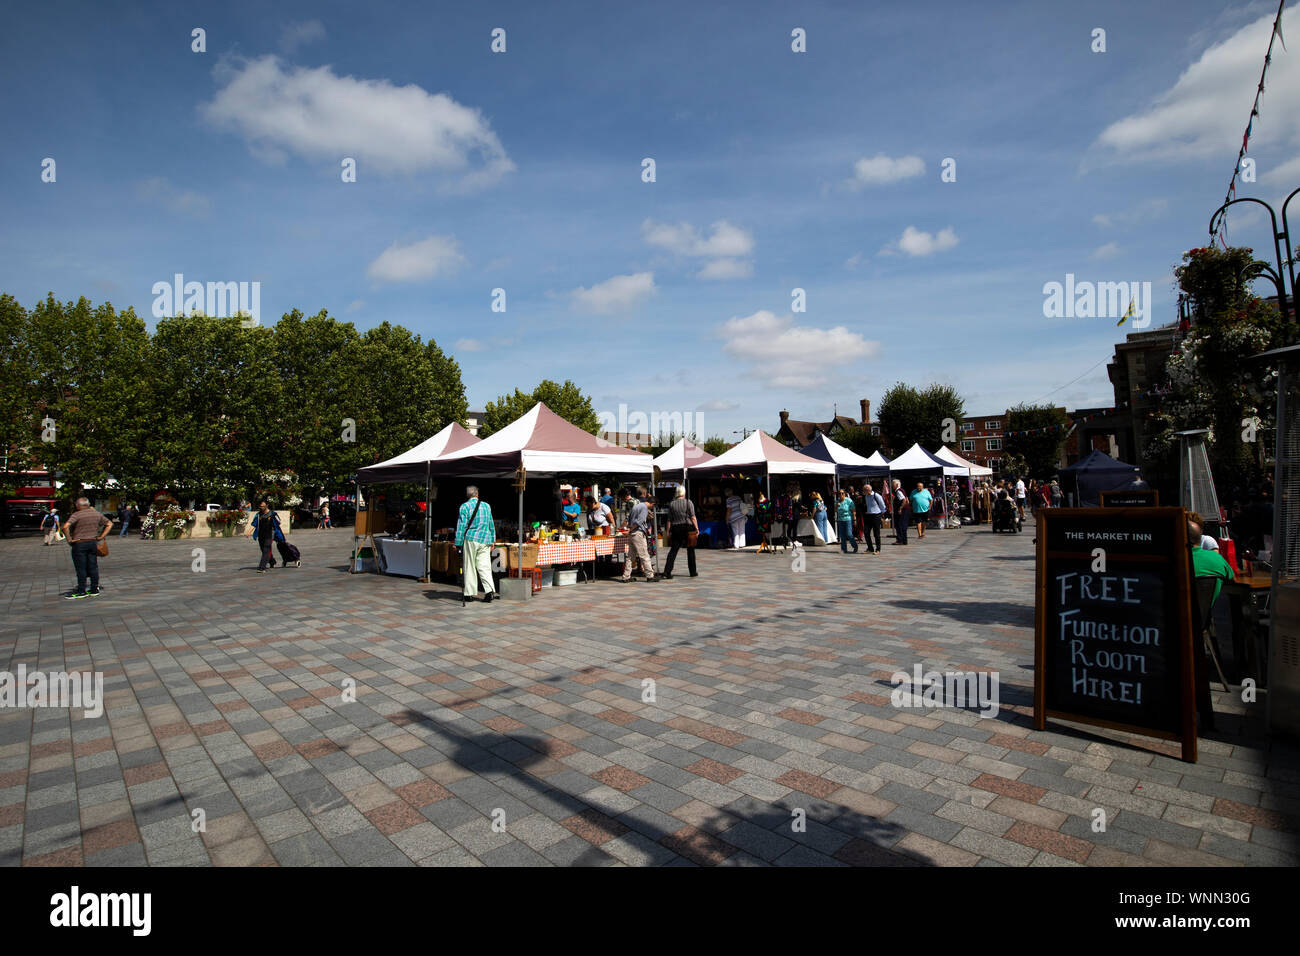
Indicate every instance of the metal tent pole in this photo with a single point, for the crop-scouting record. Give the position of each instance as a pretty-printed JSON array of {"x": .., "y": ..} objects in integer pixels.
[{"x": 428, "y": 518}]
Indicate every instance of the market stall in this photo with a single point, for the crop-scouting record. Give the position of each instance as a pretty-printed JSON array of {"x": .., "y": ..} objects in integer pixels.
[
  {"x": 973, "y": 471},
  {"x": 412, "y": 466},
  {"x": 762, "y": 455},
  {"x": 541, "y": 444},
  {"x": 1094, "y": 473},
  {"x": 917, "y": 460}
]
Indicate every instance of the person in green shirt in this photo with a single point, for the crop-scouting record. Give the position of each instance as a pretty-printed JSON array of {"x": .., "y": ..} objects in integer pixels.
[
  {"x": 844, "y": 522},
  {"x": 1211, "y": 564}
]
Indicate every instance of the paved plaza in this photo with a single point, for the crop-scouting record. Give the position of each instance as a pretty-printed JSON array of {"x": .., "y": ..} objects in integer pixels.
[{"x": 521, "y": 734}]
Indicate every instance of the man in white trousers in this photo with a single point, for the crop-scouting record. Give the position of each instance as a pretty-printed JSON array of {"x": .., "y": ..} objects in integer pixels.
[
  {"x": 475, "y": 533},
  {"x": 736, "y": 519}
]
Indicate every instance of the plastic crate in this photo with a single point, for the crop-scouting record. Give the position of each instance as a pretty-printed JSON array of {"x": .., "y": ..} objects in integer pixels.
[{"x": 534, "y": 573}]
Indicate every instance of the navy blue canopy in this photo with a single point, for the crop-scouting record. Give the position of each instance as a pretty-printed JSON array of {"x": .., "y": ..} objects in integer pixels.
[
  {"x": 1097, "y": 472},
  {"x": 846, "y": 462}
]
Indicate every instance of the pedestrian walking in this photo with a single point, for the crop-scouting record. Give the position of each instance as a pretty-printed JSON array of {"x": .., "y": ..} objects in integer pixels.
[
  {"x": 921, "y": 500},
  {"x": 1021, "y": 497},
  {"x": 844, "y": 522},
  {"x": 124, "y": 515},
  {"x": 902, "y": 512},
  {"x": 684, "y": 529},
  {"x": 638, "y": 526},
  {"x": 874, "y": 507},
  {"x": 736, "y": 519},
  {"x": 1057, "y": 495},
  {"x": 85, "y": 529},
  {"x": 50, "y": 525},
  {"x": 819, "y": 516},
  {"x": 266, "y": 527},
  {"x": 475, "y": 533}
]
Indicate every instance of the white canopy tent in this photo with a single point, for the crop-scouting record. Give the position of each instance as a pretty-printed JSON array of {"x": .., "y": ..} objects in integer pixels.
[
  {"x": 413, "y": 464},
  {"x": 680, "y": 459},
  {"x": 761, "y": 452},
  {"x": 974, "y": 470},
  {"x": 917, "y": 458}
]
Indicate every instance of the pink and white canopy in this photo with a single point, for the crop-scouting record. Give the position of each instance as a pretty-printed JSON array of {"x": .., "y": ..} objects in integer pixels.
[
  {"x": 684, "y": 456},
  {"x": 950, "y": 456},
  {"x": 413, "y": 465},
  {"x": 545, "y": 445},
  {"x": 763, "y": 453}
]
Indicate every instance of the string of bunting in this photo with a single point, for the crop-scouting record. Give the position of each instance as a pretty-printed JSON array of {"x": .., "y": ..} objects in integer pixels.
[
  {"x": 1070, "y": 423},
  {"x": 1221, "y": 230}
]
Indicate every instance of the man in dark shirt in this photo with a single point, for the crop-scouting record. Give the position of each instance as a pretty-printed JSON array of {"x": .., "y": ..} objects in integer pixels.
[{"x": 681, "y": 522}]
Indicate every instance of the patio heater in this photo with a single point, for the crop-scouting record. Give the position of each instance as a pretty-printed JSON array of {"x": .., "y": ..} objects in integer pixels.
[
  {"x": 1283, "y": 706},
  {"x": 1196, "y": 484}
]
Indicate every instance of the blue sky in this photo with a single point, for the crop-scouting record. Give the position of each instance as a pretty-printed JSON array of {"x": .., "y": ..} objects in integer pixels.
[{"x": 775, "y": 170}]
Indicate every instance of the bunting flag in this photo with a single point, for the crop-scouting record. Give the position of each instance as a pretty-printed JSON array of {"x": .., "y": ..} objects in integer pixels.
[
  {"x": 1250, "y": 125},
  {"x": 1127, "y": 314}
]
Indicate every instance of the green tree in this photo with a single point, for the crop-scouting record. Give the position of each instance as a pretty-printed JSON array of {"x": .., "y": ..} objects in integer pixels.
[
  {"x": 1037, "y": 449},
  {"x": 17, "y": 404},
  {"x": 565, "y": 400},
  {"x": 859, "y": 440},
  {"x": 90, "y": 375},
  {"x": 217, "y": 393},
  {"x": 716, "y": 445},
  {"x": 908, "y": 415},
  {"x": 409, "y": 390},
  {"x": 1212, "y": 379}
]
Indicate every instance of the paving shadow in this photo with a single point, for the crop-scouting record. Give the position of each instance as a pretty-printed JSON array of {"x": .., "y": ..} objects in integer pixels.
[
  {"x": 869, "y": 841},
  {"x": 972, "y": 612}
]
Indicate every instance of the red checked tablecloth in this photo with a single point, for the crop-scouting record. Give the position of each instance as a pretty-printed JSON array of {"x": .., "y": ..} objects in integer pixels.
[
  {"x": 606, "y": 546},
  {"x": 565, "y": 552}
]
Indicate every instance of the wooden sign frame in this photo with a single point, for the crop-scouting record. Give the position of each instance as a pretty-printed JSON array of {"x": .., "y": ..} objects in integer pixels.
[
  {"x": 1181, "y": 633},
  {"x": 1150, "y": 493}
]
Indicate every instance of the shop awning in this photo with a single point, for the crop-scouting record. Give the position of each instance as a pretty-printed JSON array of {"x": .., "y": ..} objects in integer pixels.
[
  {"x": 413, "y": 465},
  {"x": 545, "y": 445},
  {"x": 950, "y": 456},
  {"x": 917, "y": 458},
  {"x": 762, "y": 453},
  {"x": 846, "y": 462},
  {"x": 683, "y": 456}
]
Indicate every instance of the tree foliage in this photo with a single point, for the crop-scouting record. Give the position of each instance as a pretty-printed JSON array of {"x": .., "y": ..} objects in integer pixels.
[
  {"x": 565, "y": 400},
  {"x": 859, "y": 439},
  {"x": 1213, "y": 381},
  {"x": 206, "y": 408},
  {"x": 716, "y": 445},
  {"x": 908, "y": 415},
  {"x": 1037, "y": 455}
]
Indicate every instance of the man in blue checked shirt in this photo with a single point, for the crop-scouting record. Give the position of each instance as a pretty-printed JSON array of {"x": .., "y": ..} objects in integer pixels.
[{"x": 475, "y": 533}]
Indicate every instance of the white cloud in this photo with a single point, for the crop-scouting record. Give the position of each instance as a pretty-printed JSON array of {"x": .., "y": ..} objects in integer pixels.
[
  {"x": 183, "y": 202},
  {"x": 617, "y": 294},
  {"x": 853, "y": 261},
  {"x": 917, "y": 243},
  {"x": 727, "y": 246},
  {"x": 718, "y": 405},
  {"x": 1204, "y": 113},
  {"x": 882, "y": 170},
  {"x": 1109, "y": 251},
  {"x": 318, "y": 115},
  {"x": 790, "y": 356},
  {"x": 1138, "y": 215},
  {"x": 355, "y": 304},
  {"x": 434, "y": 256},
  {"x": 727, "y": 269},
  {"x": 301, "y": 33},
  {"x": 468, "y": 345}
]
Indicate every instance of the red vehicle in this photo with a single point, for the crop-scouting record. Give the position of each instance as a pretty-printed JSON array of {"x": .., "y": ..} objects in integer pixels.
[{"x": 33, "y": 500}]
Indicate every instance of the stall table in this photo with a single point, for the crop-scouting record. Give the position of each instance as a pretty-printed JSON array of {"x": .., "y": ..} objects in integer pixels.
[
  {"x": 1243, "y": 593},
  {"x": 398, "y": 556}
]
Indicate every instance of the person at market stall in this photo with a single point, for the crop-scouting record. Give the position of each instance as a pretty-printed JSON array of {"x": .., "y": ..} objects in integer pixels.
[
  {"x": 638, "y": 526},
  {"x": 600, "y": 518},
  {"x": 572, "y": 510},
  {"x": 819, "y": 515},
  {"x": 874, "y": 507},
  {"x": 844, "y": 522},
  {"x": 902, "y": 512},
  {"x": 607, "y": 500},
  {"x": 921, "y": 501},
  {"x": 475, "y": 533},
  {"x": 763, "y": 517},
  {"x": 736, "y": 519},
  {"x": 681, "y": 522}
]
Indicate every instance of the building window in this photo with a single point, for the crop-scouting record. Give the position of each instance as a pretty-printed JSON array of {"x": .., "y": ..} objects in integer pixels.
[
  {"x": 993, "y": 444},
  {"x": 995, "y": 464},
  {"x": 968, "y": 426},
  {"x": 875, "y": 429},
  {"x": 968, "y": 444},
  {"x": 993, "y": 425}
]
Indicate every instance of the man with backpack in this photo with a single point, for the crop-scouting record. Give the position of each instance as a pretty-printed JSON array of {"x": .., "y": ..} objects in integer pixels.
[{"x": 50, "y": 525}]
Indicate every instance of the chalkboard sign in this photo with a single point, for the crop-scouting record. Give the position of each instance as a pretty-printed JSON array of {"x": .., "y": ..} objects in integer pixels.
[
  {"x": 1130, "y": 498},
  {"x": 1113, "y": 621}
]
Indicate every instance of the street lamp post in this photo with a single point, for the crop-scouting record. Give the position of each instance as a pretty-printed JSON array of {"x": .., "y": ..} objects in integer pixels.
[{"x": 1281, "y": 238}]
